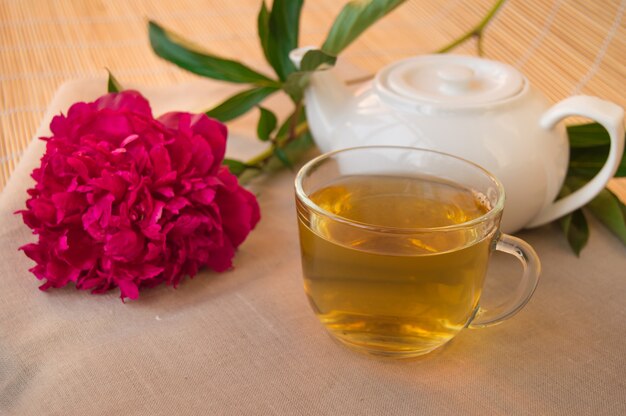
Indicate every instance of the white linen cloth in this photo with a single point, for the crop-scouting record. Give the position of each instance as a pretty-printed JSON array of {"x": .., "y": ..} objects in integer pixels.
[{"x": 245, "y": 342}]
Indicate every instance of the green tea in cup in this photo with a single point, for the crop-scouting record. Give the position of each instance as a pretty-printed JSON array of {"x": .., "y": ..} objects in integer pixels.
[{"x": 395, "y": 244}]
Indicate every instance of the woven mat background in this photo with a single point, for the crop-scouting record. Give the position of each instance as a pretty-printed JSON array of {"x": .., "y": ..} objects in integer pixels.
[{"x": 564, "y": 46}]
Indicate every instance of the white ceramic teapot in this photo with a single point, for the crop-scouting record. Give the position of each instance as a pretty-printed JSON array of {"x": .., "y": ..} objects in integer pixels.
[{"x": 482, "y": 110}]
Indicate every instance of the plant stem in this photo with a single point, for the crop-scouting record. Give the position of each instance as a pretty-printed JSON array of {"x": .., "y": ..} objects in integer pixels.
[
  {"x": 476, "y": 31},
  {"x": 479, "y": 43},
  {"x": 294, "y": 120},
  {"x": 261, "y": 159}
]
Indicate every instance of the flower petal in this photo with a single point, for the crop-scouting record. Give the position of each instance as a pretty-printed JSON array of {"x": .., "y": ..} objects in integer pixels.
[{"x": 124, "y": 245}]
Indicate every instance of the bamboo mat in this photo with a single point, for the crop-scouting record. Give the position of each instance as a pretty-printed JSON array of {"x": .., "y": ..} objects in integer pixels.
[{"x": 564, "y": 46}]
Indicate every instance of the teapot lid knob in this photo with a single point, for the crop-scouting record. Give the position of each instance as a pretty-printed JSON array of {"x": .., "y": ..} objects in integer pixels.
[
  {"x": 456, "y": 79},
  {"x": 448, "y": 81}
]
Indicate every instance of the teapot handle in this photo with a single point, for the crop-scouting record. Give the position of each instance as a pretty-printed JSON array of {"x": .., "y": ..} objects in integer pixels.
[{"x": 611, "y": 117}]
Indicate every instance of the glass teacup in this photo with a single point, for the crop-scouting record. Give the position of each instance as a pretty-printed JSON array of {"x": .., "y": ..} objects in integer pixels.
[{"x": 395, "y": 244}]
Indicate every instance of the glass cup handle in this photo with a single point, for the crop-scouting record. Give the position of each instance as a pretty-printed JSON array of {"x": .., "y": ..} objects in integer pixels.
[{"x": 532, "y": 267}]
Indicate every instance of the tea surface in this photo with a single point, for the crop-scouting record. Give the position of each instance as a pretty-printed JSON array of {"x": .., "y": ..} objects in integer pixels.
[{"x": 393, "y": 293}]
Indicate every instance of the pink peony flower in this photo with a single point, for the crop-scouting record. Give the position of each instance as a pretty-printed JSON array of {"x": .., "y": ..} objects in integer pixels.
[{"x": 125, "y": 200}]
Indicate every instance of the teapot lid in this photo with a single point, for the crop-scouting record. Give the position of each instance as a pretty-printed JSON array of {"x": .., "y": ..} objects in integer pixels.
[{"x": 448, "y": 81}]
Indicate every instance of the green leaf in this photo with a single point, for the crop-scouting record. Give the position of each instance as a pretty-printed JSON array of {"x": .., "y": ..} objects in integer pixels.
[
  {"x": 282, "y": 156},
  {"x": 283, "y": 130},
  {"x": 315, "y": 58},
  {"x": 240, "y": 103},
  {"x": 590, "y": 144},
  {"x": 295, "y": 84},
  {"x": 588, "y": 135},
  {"x": 354, "y": 18},
  {"x": 237, "y": 167},
  {"x": 576, "y": 230},
  {"x": 588, "y": 161},
  {"x": 574, "y": 225},
  {"x": 606, "y": 206},
  {"x": 113, "y": 84},
  {"x": 267, "y": 124},
  {"x": 180, "y": 52},
  {"x": 297, "y": 148},
  {"x": 611, "y": 212},
  {"x": 297, "y": 81},
  {"x": 293, "y": 150},
  {"x": 263, "y": 29},
  {"x": 283, "y": 27}
]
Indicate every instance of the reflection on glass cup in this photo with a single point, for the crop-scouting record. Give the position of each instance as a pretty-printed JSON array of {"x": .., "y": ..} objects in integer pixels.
[{"x": 395, "y": 244}]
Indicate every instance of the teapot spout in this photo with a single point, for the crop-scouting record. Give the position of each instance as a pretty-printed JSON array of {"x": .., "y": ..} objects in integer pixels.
[{"x": 325, "y": 99}]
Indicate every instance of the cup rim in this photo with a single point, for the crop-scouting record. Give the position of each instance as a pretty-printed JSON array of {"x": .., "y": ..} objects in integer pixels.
[{"x": 302, "y": 196}]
